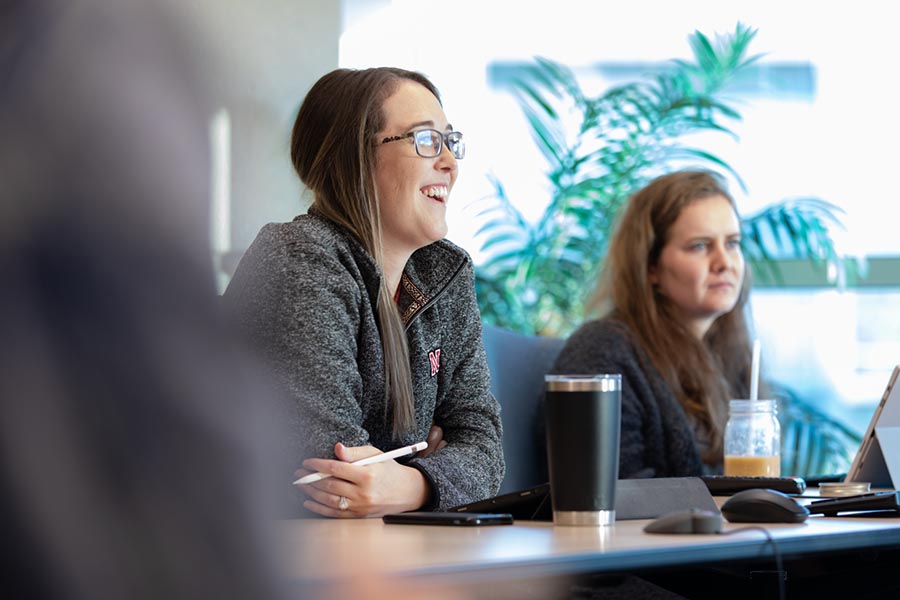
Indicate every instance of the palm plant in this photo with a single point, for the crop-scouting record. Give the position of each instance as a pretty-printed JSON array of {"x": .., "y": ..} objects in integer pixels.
[
  {"x": 812, "y": 443},
  {"x": 537, "y": 275}
]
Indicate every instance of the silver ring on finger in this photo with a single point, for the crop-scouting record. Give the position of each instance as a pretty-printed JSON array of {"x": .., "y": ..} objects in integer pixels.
[{"x": 343, "y": 504}]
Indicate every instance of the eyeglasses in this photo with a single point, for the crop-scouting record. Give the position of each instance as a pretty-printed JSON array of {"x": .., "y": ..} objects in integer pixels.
[{"x": 430, "y": 142}]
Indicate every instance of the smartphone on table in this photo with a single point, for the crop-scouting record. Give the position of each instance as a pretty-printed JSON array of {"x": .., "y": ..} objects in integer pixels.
[{"x": 448, "y": 518}]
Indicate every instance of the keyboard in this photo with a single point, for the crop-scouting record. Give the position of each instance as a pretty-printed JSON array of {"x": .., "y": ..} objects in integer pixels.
[
  {"x": 871, "y": 501},
  {"x": 727, "y": 485}
]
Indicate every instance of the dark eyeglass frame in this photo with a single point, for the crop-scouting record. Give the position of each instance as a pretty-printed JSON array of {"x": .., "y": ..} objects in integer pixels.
[{"x": 452, "y": 139}]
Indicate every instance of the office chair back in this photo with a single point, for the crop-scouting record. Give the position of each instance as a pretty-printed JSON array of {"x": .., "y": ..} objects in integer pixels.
[{"x": 518, "y": 364}]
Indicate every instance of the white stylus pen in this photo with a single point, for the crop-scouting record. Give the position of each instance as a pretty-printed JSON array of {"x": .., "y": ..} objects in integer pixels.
[{"x": 368, "y": 461}]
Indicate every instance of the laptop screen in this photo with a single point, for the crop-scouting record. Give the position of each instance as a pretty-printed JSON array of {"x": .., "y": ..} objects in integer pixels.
[{"x": 878, "y": 458}]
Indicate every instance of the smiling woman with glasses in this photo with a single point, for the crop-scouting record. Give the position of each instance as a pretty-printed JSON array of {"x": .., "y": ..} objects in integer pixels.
[{"x": 366, "y": 313}]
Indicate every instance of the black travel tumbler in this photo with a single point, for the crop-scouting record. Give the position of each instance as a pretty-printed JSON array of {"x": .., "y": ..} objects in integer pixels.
[{"x": 583, "y": 419}]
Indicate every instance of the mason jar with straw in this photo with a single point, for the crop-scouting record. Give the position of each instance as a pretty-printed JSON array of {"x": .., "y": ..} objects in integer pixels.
[{"x": 753, "y": 434}]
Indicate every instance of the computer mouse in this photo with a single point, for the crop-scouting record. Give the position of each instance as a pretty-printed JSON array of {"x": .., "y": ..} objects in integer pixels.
[
  {"x": 687, "y": 521},
  {"x": 762, "y": 505}
]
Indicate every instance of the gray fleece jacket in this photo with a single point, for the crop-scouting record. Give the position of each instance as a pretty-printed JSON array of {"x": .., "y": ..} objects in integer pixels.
[
  {"x": 657, "y": 438},
  {"x": 306, "y": 292}
]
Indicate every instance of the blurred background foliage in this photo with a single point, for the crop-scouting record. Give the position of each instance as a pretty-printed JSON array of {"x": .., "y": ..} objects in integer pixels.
[
  {"x": 812, "y": 443},
  {"x": 601, "y": 149}
]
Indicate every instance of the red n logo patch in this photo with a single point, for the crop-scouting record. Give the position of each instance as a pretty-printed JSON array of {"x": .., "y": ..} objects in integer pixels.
[{"x": 435, "y": 358}]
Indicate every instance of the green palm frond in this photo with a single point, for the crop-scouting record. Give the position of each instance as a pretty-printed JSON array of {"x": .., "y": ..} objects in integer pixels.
[
  {"x": 601, "y": 149},
  {"x": 812, "y": 443},
  {"x": 796, "y": 228}
]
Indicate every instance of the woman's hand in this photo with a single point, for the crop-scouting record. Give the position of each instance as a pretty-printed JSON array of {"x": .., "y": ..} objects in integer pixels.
[
  {"x": 435, "y": 440},
  {"x": 368, "y": 491}
]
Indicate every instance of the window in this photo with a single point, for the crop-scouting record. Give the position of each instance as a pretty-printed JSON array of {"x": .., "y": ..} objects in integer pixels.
[{"x": 818, "y": 122}]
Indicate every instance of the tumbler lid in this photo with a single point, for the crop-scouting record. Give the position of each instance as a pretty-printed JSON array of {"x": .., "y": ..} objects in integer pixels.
[{"x": 601, "y": 382}]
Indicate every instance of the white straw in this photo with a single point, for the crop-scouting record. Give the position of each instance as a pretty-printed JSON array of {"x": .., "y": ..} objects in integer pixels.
[{"x": 754, "y": 372}]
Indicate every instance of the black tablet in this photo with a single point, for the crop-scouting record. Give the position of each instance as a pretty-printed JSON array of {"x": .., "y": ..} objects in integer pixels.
[
  {"x": 532, "y": 504},
  {"x": 448, "y": 518},
  {"x": 635, "y": 499}
]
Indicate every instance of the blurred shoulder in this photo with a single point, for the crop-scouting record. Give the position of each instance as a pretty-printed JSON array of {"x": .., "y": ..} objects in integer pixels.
[
  {"x": 310, "y": 242},
  {"x": 601, "y": 332},
  {"x": 308, "y": 231},
  {"x": 597, "y": 346}
]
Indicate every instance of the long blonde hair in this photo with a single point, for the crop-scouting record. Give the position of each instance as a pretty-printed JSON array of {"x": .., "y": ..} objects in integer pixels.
[
  {"x": 332, "y": 151},
  {"x": 705, "y": 373}
]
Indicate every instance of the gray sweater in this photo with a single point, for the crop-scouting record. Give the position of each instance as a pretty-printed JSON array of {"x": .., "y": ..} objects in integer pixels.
[
  {"x": 306, "y": 292},
  {"x": 657, "y": 438}
]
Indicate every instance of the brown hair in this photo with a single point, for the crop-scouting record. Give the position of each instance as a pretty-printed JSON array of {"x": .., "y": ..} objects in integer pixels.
[
  {"x": 331, "y": 149},
  {"x": 705, "y": 373}
]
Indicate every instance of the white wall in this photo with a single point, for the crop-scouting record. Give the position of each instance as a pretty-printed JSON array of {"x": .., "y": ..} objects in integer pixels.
[{"x": 267, "y": 55}]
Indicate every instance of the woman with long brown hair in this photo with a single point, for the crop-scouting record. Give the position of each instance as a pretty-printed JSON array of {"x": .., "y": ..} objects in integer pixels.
[
  {"x": 671, "y": 301},
  {"x": 366, "y": 314}
]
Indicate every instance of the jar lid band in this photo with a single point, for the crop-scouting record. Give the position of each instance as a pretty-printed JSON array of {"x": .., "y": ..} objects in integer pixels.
[{"x": 753, "y": 405}]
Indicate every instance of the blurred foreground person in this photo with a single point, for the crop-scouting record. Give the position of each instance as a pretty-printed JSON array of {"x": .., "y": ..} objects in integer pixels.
[{"x": 130, "y": 456}]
